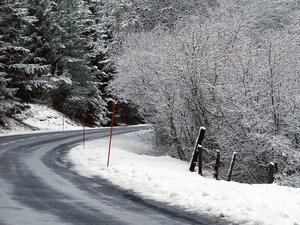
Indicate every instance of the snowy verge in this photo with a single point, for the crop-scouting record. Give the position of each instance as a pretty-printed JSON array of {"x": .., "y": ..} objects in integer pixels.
[
  {"x": 135, "y": 167},
  {"x": 38, "y": 117}
]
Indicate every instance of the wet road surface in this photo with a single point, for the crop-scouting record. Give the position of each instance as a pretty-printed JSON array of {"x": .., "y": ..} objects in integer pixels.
[{"x": 37, "y": 187}]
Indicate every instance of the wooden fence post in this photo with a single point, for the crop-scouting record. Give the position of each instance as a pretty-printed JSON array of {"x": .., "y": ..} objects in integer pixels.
[
  {"x": 200, "y": 158},
  {"x": 272, "y": 169},
  {"x": 195, "y": 153},
  {"x": 217, "y": 165},
  {"x": 276, "y": 167},
  {"x": 231, "y": 166}
]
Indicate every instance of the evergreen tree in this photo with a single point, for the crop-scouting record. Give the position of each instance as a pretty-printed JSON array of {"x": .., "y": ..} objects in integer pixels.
[
  {"x": 39, "y": 36},
  {"x": 58, "y": 51},
  {"x": 84, "y": 60},
  {"x": 12, "y": 54}
]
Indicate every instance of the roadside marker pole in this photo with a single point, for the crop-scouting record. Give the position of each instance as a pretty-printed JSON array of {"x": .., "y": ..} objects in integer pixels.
[
  {"x": 83, "y": 125},
  {"x": 119, "y": 114},
  {"x": 63, "y": 122},
  {"x": 111, "y": 130}
]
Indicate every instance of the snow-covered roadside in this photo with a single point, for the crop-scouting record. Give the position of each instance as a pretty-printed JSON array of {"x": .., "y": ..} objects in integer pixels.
[
  {"x": 40, "y": 118},
  {"x": 134, "y": 167}
]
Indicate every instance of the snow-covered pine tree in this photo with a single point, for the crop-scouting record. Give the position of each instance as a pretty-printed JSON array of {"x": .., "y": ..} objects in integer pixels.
[
  {"x": 12, "y": 54},
  {"x": 26, "y": 70},
  {"x": 84, "y": 39},
  {"x": 38, "y": 38},
  {"x": 100, "y": 46}
]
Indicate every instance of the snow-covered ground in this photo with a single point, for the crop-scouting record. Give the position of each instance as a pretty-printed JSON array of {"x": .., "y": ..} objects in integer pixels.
[
  {"x": 135, "y": 167},
  {"x": 38, "y": 117}
]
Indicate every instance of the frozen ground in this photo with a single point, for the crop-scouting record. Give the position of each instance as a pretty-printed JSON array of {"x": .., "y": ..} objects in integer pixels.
[{"x": 135, "y": 167}]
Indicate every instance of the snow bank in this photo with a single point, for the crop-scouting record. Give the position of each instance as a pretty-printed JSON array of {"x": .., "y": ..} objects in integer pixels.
[
  {"x": 39, "y": 117},
  {"x": 168, "y": 180}
]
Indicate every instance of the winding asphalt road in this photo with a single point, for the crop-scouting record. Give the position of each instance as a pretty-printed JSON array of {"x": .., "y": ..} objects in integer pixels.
[{"x": 37, "y": 187}]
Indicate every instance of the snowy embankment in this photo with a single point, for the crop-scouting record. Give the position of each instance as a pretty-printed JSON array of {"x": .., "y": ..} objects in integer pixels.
[
  {"x": 135, "y": 167},
  {"x": 38, "y": 117}
]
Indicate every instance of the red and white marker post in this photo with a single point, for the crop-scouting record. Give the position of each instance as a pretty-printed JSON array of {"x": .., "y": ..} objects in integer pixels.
[
  {"x": 63, "y": 121},
  {"x": 111, "y": 129},
  {"x": 83, "y": 124}
]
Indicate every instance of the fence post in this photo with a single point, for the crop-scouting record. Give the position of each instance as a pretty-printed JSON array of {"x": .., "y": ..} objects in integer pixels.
[
  {"x": 217, "y": 165},
  {"x": 272, "y": 169},
  {"x": 276, "y": 168},
  {"x": 199, "y": 159},
  {"x": 231, "y": 166},
  {"x": 195, "y": 153}
]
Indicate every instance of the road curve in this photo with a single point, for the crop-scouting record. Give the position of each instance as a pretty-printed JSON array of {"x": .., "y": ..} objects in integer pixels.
[{"x": 37, "y": 187}]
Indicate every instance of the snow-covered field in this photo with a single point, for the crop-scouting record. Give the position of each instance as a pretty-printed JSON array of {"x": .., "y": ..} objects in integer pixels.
[
  {"x": 135, "y": 167},
  {"x": 38, "y": 117}
]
